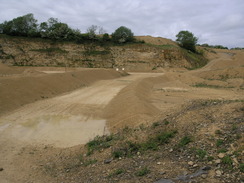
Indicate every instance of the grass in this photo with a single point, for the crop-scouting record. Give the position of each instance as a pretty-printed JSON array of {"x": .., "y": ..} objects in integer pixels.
[
  {"x": 184, "y": 141},
  {"x": 156, "y": 124},
  {"x": 164, "y": 137},
  {"x": 210, "y": 158},
  {"x": 89, "y": 162},
  {"x": 131, "y": 148},
  {"x": 234, "y": 127},
  {"x": 136, "y": 61},
  {"x": 200, "y": 153},
  {"x": 227, "y": 161},
  {"x": 219, "y": 142},
  {"x": 203, "y": 85},
  {"x": 223, "y": 150},
  {"x": 117, "y": 172},
  {"x": 50, "y": 50},
  {"x": 96, "y": 52},
  {"x": 166, "y": 122},
  {"x": 149, "y": 145},
  {"x": 118, "y": 153},
  {"x": 218, "y": 132},
  {"x": 142, "y": 172},
  {"x": 163, "y": 46},
  {"x": 197, "y": 60},
  {"x": 101, "y": 142},
  {"x": 241, "y": 167}
]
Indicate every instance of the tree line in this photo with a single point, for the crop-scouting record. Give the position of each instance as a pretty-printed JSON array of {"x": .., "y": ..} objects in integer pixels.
[{"x": 53, "y": 29}]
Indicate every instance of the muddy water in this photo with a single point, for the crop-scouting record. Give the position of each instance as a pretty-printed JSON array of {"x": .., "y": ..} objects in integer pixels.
[{"x": 59, "y": 130}]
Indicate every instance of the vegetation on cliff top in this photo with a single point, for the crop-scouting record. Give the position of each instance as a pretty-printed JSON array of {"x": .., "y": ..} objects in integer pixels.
[{"x": 27, "y": 26}]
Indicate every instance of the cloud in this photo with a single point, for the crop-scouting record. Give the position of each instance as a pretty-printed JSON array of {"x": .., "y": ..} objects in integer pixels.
[{"x": 213, "y": 21}]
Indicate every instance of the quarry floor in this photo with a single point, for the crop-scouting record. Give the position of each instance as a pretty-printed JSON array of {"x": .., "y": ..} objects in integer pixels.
[{"x": 36, "y": 116}]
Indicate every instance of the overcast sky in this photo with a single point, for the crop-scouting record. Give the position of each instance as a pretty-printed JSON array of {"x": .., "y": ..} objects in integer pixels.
[{"x": 212, "y": 21}]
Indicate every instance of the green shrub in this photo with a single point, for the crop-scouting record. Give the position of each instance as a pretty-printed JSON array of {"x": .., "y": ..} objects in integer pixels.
[
  {"x": 223, "y": 150},
  {"x": 164, "y": 137},
  {"x": 201, "y": 153},
  {"x": 154, "y": 125},
  {"x": 118, "y": 153},
  {"x": 210, "y": 158},
  {"x": 142, "y": 172},
  {"x": 149, "y": 145},
  {"x": 166, "y": 122},
  {"x": 184, "y": 141},
  {"x": 227, "y": 161},
  {"x": 100, "y": 142},
  {"x": 119, "y": 171},
  {"x": 241, "y": 167},
  {"x": 219, "y": 142}
]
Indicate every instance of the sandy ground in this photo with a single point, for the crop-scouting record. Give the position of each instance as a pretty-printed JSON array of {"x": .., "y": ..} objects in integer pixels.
[
  {"x": 69, "y": 119},
  {"x": 99, "y": 107},
  {"x": 63, "y": 121}
]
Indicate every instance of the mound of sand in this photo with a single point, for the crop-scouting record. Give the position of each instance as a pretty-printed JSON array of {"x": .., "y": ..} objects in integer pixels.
[
  {"x": 157, "y": 40},
  {"x": 17, "y": 91},
  {"x": 132, "y": 106}
]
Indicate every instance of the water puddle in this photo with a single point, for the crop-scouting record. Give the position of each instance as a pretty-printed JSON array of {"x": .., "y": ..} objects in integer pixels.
[{"x": 59, "y": 130}]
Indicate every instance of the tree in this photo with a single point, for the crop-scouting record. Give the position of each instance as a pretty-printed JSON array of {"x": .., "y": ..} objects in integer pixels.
[
  {"x": 187, "y": 40},
  {"x": 105, "y": 37},
  {"x": 53, "y": 29},
  {"x": 91, "y": 31},
  {"x": 21, "y": 26},
  {"x": 123, "y": 35}
]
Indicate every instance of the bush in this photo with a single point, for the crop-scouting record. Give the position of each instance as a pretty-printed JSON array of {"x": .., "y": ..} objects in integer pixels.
[
  {"x": 201, "y": 153},
  {"x": 164, "y": 137},
  {"x": 118, "y": 153},
  {"x": 187, "y": 40},
  {"x": 123, "y": 35},
  {"x": 100, "y": 142},
  {"x": 184, "y": 141},
  {"x": 105, "y": 37},
  {"x": 227, "y": 161},
  {"x": 142, "y": 172},
  {"x": 219, "y": 142}
]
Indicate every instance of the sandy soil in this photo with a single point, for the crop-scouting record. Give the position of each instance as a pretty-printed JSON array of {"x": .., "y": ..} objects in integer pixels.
[
  {"x": 101, "y": 106},
  {"x": 67, "y": 120},
  {"x": 63, "y": 121}
]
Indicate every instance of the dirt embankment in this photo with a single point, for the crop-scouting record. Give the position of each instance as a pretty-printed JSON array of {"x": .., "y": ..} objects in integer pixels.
[
  {"x": 30, "y": 86},
  {"x": 155, "y": 53},
  {"x": 132, "y": 107}
]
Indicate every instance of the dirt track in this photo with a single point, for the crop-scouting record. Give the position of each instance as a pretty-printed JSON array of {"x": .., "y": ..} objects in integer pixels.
[
  {"x": 62, "y": 121},
  {"x": 67, "y": 120}
]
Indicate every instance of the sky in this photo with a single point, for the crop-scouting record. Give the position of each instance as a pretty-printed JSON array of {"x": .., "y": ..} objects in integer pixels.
[{"x": 216, "y": 22}]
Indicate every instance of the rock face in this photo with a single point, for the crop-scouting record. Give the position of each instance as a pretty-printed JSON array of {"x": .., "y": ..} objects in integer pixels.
[{"x": 39, "y": 52}]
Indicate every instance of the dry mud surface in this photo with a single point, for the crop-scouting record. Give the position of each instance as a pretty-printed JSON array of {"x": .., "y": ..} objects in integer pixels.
[{"x": 47, "y": 114}]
